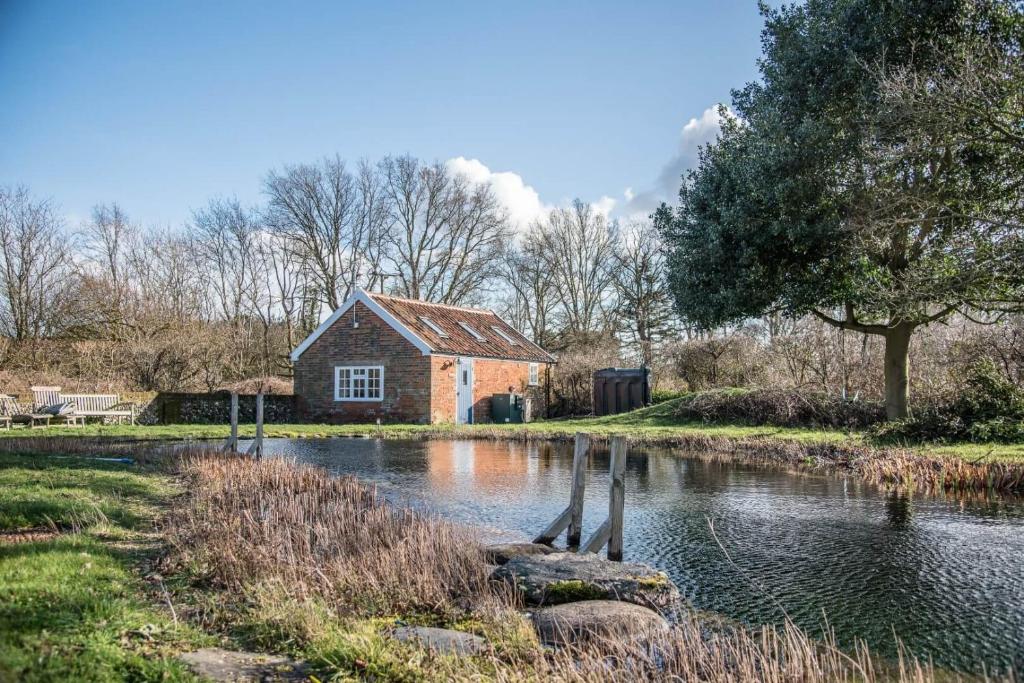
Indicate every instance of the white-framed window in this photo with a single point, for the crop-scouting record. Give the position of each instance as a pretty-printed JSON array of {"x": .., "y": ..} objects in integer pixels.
[
  {"x": 504, "y": 335},
  {"x": 359, "y": 383},
  {"x": 476, "y": 335},
  {"x": 429, "y": 322},
  {"x": 534, "y": 374}
]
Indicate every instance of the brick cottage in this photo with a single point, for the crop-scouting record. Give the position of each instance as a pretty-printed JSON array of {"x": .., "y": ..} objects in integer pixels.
[{"x": 403, "y": 360}]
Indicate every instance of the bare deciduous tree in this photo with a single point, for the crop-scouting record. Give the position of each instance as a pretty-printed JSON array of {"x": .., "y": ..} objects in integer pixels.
[
  {"x": 34, "y": 267},
  {"x": 578, "y": 247},
  {"x": 644, "y": 302},
  {"x": 530, "y": 297},
  {"x": 333, "y": 217},
  {"x": 446, "y": 234}
]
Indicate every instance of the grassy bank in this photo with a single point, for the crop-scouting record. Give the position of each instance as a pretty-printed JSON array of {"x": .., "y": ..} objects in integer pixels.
[
  {"x": 75, "y": 540},
  {"x": 285, "y": 559},
  {"x": 655, "y": 424},
  {"x": 997, "y": 467}
]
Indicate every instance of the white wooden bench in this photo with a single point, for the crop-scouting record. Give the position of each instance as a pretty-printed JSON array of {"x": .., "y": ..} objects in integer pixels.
[
  {"x": 101, "y": 405},
  {"x": 84, "y": 405}
]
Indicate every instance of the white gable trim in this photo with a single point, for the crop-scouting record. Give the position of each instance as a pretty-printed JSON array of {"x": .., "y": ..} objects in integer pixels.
[{"x": 365, "y": 299}]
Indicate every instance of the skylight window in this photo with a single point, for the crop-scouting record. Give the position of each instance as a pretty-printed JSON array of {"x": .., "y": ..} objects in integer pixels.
[
  {"x": 501, "y": 333},
  {"x": 476, "y": 335},
  {"x": 434, "y": 326}
]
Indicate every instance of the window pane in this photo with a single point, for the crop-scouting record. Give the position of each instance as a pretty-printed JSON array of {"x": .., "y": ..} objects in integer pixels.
[{"x": 342, "y": 383}]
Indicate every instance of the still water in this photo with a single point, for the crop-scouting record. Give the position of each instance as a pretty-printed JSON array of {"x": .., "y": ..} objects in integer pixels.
[{"x": 946, "y": 575}]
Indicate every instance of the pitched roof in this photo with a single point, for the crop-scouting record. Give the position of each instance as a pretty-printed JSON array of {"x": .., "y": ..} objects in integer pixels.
[{"x": 416, "y": 321}]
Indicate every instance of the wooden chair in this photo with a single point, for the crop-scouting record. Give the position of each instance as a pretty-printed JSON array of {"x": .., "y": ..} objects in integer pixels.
[{"x": 22, "y": 414}]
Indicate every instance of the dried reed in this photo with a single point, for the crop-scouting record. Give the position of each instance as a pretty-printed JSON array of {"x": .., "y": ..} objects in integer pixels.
[{"x": 328, "y": 537}]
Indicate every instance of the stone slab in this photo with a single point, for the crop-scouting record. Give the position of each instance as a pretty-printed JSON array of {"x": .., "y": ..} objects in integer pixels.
[
  {"x": 443, "y": 640},
  {"x": 500, "y": 553},
  {"x": 570, "y": 577},
  {"x": 577, "y": 622},
  {"x": 233, "y": 665}
]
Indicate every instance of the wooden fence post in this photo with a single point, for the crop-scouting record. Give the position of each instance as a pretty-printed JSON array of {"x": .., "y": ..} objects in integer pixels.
[
  {"x": 579, "y": 481},
  {"x": 617, "y": 498},
  {"x": 610, "y": 531},
  {"x": 256, "y": 449},
  {"x": 572, "y": 516},
  {"x": 232, "y": 443}
]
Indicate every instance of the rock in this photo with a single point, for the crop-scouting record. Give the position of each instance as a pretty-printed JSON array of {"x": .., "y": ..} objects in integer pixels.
[
  {"x": 576, "y": 622},
  {"x": 443, "y": 640},
  {"x": 569, "y": 577},
  {"x": 500, "y": 553},
  {"x": 230, "y": 665}
]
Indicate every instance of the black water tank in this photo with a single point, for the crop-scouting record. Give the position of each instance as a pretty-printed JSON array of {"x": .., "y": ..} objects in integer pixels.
[{"x": 619, "y": 390}]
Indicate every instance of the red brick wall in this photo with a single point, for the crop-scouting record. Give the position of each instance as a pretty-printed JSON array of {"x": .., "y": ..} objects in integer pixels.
[
  {"x": 495, "y": 377},
  {"x": 489, "y": 377},
  {"x": 374, "y": 342},
  {"x": 442, "y": 389}
]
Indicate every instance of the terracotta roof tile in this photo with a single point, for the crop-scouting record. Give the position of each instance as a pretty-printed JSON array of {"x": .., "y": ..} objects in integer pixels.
[{"x": 458, "y": 341}]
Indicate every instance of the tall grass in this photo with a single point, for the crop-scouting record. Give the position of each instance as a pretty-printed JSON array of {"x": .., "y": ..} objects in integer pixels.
[
  {"x": 317, "y": 540},
  {"x": 333, "y": 538}
]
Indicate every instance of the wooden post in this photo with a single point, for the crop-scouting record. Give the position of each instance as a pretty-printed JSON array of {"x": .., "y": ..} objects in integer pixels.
[
  {"x": 610, "y": 531},
  {"x": 574, "y": 512},
  {"x": 617, "y": 498},
  {"x": 579, "y": 481},
  {"x": 232, "y": 444},
  {"x": 256, "y": 449}
]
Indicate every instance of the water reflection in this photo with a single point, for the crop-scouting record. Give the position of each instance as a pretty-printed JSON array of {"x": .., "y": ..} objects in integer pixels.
[{"x": 945, "y": 574}]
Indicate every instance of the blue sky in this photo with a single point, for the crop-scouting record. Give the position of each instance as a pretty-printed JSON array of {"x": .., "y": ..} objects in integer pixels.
[{"x": 160, "y": 106}]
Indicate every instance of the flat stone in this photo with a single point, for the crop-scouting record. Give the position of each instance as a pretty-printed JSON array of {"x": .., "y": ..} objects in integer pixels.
[
  {"x": 444, "y": 640},
  {"x": 570, "y": 577},
  {"x": 231, "y": 665},
  {"x": 500, "y": 553},
  {"x": 576, "y": 622}
]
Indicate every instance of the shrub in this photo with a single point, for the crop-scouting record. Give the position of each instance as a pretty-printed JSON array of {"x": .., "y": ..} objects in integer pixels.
[
  {"x": 780, "y": 408},
  {"x": 990, "y": 407}
]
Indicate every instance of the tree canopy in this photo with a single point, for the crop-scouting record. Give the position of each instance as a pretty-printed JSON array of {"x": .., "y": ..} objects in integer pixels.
[{"x": 842, "y": 186}]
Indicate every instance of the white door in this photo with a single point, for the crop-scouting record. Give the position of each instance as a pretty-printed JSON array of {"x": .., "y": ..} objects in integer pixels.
[{"x": 463, "y": 390}]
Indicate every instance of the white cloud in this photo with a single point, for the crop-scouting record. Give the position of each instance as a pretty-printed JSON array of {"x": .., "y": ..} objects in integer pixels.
[
  {"x": 521, "y": 200},
  {"x": 696, "y": 133},
  {"x": 605, "y": 205}
]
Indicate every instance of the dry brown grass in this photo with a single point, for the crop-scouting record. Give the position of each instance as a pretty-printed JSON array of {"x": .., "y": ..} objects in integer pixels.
[
  {"x": 317, "y": 540},
  {"x": 688, "y": 652},
  {"x": 247, "y": 522}
]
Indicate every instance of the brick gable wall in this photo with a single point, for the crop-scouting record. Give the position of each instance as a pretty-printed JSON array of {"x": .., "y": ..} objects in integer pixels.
[{"x": 374, "y": 342}]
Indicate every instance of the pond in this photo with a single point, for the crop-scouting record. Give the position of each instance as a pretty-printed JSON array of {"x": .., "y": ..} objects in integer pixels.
[{"x": 945, "y": 575}]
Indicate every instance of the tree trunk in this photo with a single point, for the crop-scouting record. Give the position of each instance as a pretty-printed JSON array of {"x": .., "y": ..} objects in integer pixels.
[{"x": 897, "y": 376}]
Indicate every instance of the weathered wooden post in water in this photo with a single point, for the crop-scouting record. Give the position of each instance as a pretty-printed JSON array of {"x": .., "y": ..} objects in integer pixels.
[
  {"x": 231, "y": 446},
  {"x": 610, "y": 531},
  {"x": 572, "y": 516},
  {"x": 256, "y": 448}
]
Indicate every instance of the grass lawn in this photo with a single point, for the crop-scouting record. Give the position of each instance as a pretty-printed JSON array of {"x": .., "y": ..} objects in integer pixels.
[
  {"x": 653, "y": 424},
  {"x": 74, "y": 606}
]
